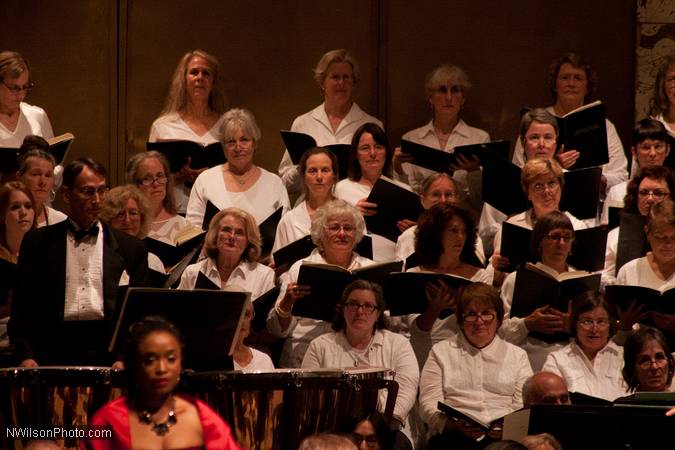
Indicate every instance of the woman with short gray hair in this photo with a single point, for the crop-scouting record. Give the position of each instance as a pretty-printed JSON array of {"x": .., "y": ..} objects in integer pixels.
[{"x": 336, "y": 229}]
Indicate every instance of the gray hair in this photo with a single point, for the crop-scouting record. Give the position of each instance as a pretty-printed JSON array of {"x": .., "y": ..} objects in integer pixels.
[
  {"x": 238, "y": 118},
  {"x": 535, "y": 441},
  {"x": 333, "y": 57},
  {"x": 536, "y": 115},
  {"x": 440, "y": 75},
  {"x": 116, "y": 200},
  {"x": 332, "y": 209}
]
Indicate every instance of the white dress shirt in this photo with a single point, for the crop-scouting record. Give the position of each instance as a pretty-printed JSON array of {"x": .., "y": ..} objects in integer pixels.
[
  {"x": 600, "y": 378},
  {"x": 32, "y": 120},
  {"x": 316, "y": 124},
  {"x": 638, "y": 272},
  {"x": 294, "y": 225},
  {"x": 260, "y": 200},
  {"x": 53, "y": 216},
  {"x": 172, "y": 127},
  {"x": 387, "y": 349},
  {"x": 84, "y": 277},
  {"x": 611, "y": 248},
  {"x": 615, "y": 171},
  {"x": 614, "y": 198},
  {"x": 302, "y": 330},
  {"x": 248, "y": 276},
  {"x": 167, "y": 229},
  {"x": 484, "y": 384},
  {"x": 261, "y": 362}
]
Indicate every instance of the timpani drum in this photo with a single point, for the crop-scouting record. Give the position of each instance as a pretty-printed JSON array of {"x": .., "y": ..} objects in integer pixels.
[
  {"x": 53, "y": 397},
  {"x": 276, "y": 410}
]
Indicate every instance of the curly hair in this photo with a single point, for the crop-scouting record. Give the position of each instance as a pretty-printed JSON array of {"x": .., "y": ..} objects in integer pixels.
[{"x": 429, "y": 234}]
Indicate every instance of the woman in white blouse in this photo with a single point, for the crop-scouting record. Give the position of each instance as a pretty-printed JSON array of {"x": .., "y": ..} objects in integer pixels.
[
  {"x": 655, "y": 270},
  {"x": 36, "y": 171},
  {"x": 248, "y": 359},
  {"x": 192, "y": 112},
  {"x": 18, "y": 119},
  {"x": 232, "y": 246},
  {"x": 474, "y": 372},
  {"x": 149, "y": 171},
  {"x": 572, "y": 83},
  {"x": 336, "y": 229},
  {"x": 370, "y": 158},
  {"x": 444, "y": 243},
  {"x": 319, "y": 170},
  {"x": 336, "y": 119},
  {"x": 446, "y": 88},
  {"x": 238, "y": 182},
  {"x": 650, "y": 185},
  {"x": 360, "y": 339},
  {"x": 551, "y": 241},
  {"x": 591, "y": 364},
  {"x": 437, "y": 188},
  {"x": 543, "y": 182}
]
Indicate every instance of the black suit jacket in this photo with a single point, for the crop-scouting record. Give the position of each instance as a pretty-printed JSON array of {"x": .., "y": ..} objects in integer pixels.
[{"x": 36, "y": 323}]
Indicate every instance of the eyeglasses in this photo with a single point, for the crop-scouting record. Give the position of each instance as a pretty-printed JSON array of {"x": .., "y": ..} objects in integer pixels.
[
  {"x": 353, "y": 307},
  {"x": 334, "y": 228},
  {"x": 658, "y": 147},
  {"x": 371, "y": 440},
  {"x": 131, "y": 213},
  {"x": 540, "y": 188},
  {"x": 656, "y": 193},
  {"x": 14, "y": 89},
  {"x": 559, "y": 237},
  {"x": 89, "y": 191},
  {"x": 485, "y": 316},
  {"x": 147, "y": 181},
  {"x": 535, "y": 138},
  {"x": 587, "y": 324},
  {"x": 644, "y": 362}
]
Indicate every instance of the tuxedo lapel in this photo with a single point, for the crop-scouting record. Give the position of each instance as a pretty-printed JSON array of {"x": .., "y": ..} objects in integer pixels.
[{"x": 113, "y": 266}]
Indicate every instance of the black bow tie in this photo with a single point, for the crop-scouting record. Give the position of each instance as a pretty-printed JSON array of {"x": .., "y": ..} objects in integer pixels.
[{"x": 81, "y": 234}]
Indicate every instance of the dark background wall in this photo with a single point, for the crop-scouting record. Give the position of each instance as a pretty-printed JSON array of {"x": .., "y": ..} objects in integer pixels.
[{"x": 103, "y": 66}]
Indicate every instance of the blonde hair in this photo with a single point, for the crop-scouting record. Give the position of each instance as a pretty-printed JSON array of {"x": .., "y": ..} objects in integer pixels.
[
  {"x": 252, "y": 251},
  {"x": 116, "y": 200},
  {"x": 333, "y": 57},
  {"x": 176, "y": 100},
  {"x": 537, "y": 167}
]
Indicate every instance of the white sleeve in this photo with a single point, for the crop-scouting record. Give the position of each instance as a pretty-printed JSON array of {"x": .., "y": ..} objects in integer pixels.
[
  {"x": 513, "y": 329},
  {"x": 518, "y": 153},
  {"x": 290, "y": 173},
  {"x": 312, "y": 358},
  {"x": 188, "y": 278},
  {"x": 609, "y": 272},
  {"x": 407, "y": 376},
  {"x": 551, "y": 365},
  {"x": 524, "y": 372},
  {"x": 196, "y": 207},
  {"x": 47, "y": 131},
  {"x": 431, "y": 392},
  {"x": 616, "y": 169}
]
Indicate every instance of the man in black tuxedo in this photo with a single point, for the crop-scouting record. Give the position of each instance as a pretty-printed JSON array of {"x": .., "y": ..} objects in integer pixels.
[{"x": 67, "y": 295}]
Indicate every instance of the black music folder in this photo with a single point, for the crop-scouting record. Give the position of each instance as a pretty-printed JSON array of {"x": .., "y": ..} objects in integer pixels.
[
  {"x": 456, "y": 415},
  {"x": 581, "y": 193},
  {"x": 298, "y": 143},
  {"x": 268, "y": 230},
  {"x": 7, "y": 279},
  {"x": 515, "y": 245},
  {"x": 209, "y": 213},
  {"x": 538, "y": 285},
  {"x": 653, "y": 300},
  {"x": 327, "y": 281},
  {"x": 210, "y": 321},
  {"x": 58, "y": 147},
  {"x": 585, "y": 130},
  {"x": 178, "y": 151},
  {"x": 394, "y": 203},
  {"x": 405, "y": 292},
  {"x": 501, "y": 186},
  {"x": 172, "y": 254},
  {"x": 633, "y": 241},
  {"x": 440, "y": 161},
  {"x": 588, "y": 250}
]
